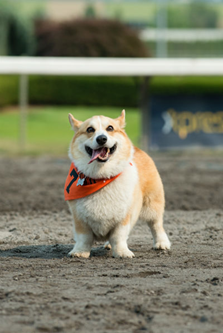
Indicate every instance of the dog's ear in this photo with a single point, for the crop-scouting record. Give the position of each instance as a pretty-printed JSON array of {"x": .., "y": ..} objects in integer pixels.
[
  {"x": 74, "y": 122},
  {"x": 121, "y": 119}
]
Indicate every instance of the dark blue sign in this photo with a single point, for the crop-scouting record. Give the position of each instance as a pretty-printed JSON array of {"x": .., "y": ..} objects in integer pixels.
[{"x": 185, "y": 121}]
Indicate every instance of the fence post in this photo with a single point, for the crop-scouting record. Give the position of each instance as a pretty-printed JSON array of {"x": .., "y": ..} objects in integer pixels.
[
  {"x": 145, "y": 114},
  {"x": 23, "y": 104}
]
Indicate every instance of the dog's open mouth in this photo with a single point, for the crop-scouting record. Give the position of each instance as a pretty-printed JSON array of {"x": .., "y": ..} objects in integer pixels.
[{"x": 101, "y": 154}]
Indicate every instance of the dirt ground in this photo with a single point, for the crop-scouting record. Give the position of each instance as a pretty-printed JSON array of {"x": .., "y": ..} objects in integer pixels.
[{"x": 42, "y": 290}]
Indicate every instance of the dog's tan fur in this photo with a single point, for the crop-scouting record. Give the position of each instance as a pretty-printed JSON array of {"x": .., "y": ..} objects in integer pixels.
[{"x": 110, "y": 213}]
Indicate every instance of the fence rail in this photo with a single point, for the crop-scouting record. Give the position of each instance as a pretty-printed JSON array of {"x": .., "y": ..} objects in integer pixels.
[
  {"x": 182, "y": 35},
  {"x": 110, "y": 66}
]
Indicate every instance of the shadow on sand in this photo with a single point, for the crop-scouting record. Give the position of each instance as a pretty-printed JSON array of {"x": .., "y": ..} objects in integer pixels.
[{"x": 56, "y": 251}]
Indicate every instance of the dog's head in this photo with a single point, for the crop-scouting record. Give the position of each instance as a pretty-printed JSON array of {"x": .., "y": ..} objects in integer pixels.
[{"x": 100, "y": 147}]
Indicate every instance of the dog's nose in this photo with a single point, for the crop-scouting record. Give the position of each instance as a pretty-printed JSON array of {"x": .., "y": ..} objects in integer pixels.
[{"x": 101, "y": 139}]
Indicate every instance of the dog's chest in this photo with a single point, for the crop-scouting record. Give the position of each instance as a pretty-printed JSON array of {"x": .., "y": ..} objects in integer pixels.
[{"x": 104, "y": 209}]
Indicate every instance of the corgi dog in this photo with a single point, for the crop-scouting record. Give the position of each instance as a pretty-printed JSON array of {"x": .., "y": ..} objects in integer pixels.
[{"x": 111, "y": 185}]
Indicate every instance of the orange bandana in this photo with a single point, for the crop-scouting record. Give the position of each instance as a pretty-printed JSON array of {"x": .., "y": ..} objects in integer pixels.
[{"x": 78, "y": 186}]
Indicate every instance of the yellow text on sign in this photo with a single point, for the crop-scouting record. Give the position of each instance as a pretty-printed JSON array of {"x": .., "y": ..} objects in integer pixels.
[{"x": 187, "y": 122}]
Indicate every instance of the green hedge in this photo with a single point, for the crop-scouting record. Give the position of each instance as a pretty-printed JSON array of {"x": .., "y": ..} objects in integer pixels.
[
  {"x": 83, "y": 91},
  {"x": 186, "y": 85},
  {"x": 61, "y": 90},
  {"x": 8, "y": 90},
  {"x": 102, "y": 91}
]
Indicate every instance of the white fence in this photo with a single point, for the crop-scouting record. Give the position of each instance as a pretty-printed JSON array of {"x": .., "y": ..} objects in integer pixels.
[
  {"x": 182, "y": 35},
  {"x": 110, "y": 66},
  {"x": 143, "y": 67}
]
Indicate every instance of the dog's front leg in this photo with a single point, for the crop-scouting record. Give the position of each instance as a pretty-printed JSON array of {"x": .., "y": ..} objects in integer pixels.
[
  {"x": 83, "y": 236},
  {"x": 118, "y": 241}
]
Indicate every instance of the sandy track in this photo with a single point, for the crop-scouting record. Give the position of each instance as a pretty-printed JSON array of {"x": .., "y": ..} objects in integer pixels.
[{"x": 41, "y": 290}]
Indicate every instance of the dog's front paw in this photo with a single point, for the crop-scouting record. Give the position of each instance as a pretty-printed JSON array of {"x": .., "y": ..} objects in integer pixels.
[
  {"x": 107, "y": 246},
  {"x": 78, "y": 254},
  {"x": 163, "y": 244},
  {"x": 123, "y": 253}
]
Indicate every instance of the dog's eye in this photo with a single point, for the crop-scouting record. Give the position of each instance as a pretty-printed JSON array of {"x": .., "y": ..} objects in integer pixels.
[
  {"x": 90, "y": 129},
  {"x": 110, "y": 128}
]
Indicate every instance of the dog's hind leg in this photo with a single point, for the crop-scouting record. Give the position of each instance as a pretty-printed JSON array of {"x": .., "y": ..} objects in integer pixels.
[
  {"x": 160, "y": 238},
  {"x": 152, "y": 212}
]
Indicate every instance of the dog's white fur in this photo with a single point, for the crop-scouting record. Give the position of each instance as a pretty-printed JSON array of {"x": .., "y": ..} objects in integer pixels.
[{"x": 110, "y": 213}]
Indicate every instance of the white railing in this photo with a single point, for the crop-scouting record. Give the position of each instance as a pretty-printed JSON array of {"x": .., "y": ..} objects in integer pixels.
[
  {"x": 182, "y": 35},
  {"x": 110, "y": 66}
]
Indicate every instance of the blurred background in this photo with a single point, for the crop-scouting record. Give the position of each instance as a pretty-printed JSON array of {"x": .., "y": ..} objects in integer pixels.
[{"x": 157, "y": 29}]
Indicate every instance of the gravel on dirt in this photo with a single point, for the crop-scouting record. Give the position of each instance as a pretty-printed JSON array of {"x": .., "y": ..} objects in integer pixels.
[{"x": 42, "y": 290}]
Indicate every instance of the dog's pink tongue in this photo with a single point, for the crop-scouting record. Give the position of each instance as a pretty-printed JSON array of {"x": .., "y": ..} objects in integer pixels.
[{"x": 96, "y": 153}]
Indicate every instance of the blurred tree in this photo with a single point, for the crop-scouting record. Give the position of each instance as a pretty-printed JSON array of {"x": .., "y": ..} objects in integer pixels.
[
  {"x": 19, "y": 39},
  {"x": 4, "y": 11},
  {"x": 192, "y": 15},
  {"x": 3, "y": 34},
  {"x": 118, "y": 15},
  {"x": 16, "y": 29},
  {"x": 90, "y": 11},
  {"x": 88, "y": 38}
]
